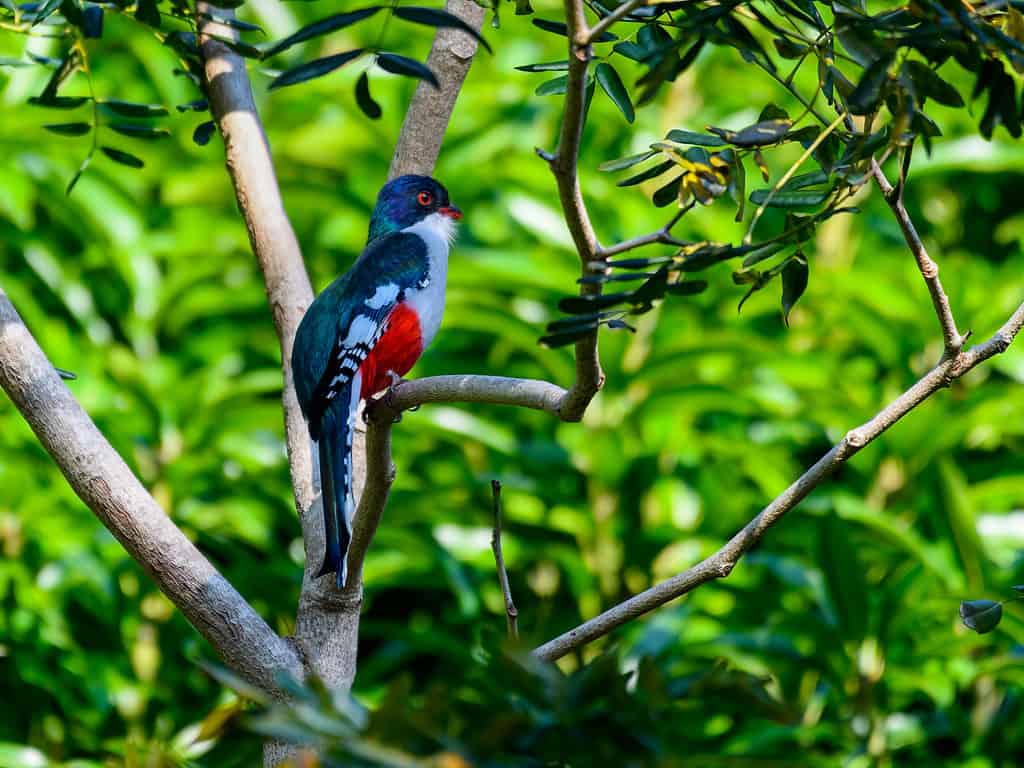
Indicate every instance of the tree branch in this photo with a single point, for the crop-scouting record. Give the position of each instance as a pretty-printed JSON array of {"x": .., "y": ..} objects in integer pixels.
[
  {"x": 720, "y": 564},
  {"x": 102, "y": 480},
  {"x": 662, "y": 236},
  {"x": 602, "y": 26},
  {"x": 465, "y": 388},
  {"x": 426, "y": 120},
  {"x": 511, "y": 613},
  {"x": 564, "y": 166},
  {"x": 273, "y": 240},
  {"x": 951, "y": 337}
]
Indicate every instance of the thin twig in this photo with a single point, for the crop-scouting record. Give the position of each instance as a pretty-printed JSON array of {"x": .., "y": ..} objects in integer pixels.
[
  {"x": 601, "y": 26},
  {"x": 720, "y": 564},
  {"x": 951, "y": 337},
  {"x": 511, "y": 614},
  {"x": 662, "y": 236}
]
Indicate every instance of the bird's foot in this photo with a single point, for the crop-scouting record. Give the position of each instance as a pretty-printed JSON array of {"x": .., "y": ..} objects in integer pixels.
[{"x": 389, "y": 395}]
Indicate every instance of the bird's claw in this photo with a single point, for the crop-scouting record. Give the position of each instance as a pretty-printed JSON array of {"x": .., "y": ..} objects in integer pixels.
[{"x": 389, "y": 395}]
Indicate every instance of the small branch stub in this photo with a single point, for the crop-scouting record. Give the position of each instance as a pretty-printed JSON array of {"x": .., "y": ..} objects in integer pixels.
[{"x": 511, "y": 614}]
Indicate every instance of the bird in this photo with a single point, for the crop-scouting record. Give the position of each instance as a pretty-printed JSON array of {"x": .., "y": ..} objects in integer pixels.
[{"x": 365, "y": 331}]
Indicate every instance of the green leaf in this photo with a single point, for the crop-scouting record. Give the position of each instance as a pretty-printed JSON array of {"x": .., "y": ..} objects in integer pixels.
[
  {"x": 561, "y": 338},
  {"x": 139, "y": 131},
  {"x": 789, "y": 199},
  {"x": 794, "y": 283},
  {"x": 551, "y": 66},
  {"x": 147, "y": 12},
  {"x": 403, "y": 65},
  {"x": 756, "y": 135},
  {"x": 626, "y": 162},
  {"x": 433, "y": 17},
  {"x": 227, "y": 21},
  {"x": 203, "y": 133},
  {"x": 322, "y": 27},
  {"x": 552, "y": 87},
  {"x": 92, "y": 22},
  {"x": 870, "y": 90},
  {"x": 363, "y": 98},
  {"x": 765, "y": 251},
  {"x": 240, "y": 47},
  {"x": 981, "y": 615},
  {"x": 199, "y": 105},
  {"x": 687, "y": 287},
  {"x": 653, "y": 172},
  {"x": 929, "y": 84},
  {"x": 698, "y": 139},
  {"x": 69, "y": 129},
  {"x": 315, "y": 68},
  {"x": 611, "y": 84},
  {"x": 668, "y": 193},
  {"x": 124, "y": 158},
  {"x": 131, "y": 109}
]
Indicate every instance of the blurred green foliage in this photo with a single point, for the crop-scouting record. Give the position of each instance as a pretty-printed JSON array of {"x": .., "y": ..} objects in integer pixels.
[{"x": 836, "y": 642}]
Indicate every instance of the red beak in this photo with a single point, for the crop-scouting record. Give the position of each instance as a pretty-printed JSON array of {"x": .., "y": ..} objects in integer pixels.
[{"x": 451, "y": 211}]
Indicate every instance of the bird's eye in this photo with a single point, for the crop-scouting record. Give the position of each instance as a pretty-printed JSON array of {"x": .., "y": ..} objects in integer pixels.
[{"x": 424, "y": 198}]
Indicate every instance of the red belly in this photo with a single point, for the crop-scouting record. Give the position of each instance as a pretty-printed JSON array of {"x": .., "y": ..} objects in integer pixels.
[{"x": 397, "y": 350}]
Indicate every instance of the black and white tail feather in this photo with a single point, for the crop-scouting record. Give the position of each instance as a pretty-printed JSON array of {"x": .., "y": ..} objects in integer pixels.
[{"x": 332, "y": 473}]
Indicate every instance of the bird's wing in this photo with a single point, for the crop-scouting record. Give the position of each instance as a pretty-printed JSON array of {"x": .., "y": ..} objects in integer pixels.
[{"x": 379, "y": 280}]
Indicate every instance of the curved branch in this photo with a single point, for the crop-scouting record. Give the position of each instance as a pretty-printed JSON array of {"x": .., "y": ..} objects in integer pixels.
[
  {"x": 102, "y": 480},
  {"x": 564, "y": 166},
  {"x": 451, "y": 55},
  {"x": 951, "y": 337},
  {"x": 720, "y": 564}
]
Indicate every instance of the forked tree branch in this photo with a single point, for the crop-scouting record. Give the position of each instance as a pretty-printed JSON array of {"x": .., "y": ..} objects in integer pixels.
[
  {"x": 720, "y": 564},
  {"x": 102, "y": 480},
  {"x": 951, "y": 337}
]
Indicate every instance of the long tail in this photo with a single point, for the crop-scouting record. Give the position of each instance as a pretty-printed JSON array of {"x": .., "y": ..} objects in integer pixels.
[{"x": 335, "y": 454}]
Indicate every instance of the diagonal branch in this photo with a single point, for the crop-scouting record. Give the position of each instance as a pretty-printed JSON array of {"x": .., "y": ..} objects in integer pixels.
[
  {"x": 951, "y": 337},
  {"x": 101, "y": 479},
  {"x": 602, "y": 26},
  {"x": 720, "y": 564},
  {"x": 273, "y": 240},
  {"x": 451, "y": 55}
]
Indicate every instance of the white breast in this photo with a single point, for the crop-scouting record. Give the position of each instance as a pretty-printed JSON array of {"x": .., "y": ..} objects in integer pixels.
[{"x": 437, "y": 232}]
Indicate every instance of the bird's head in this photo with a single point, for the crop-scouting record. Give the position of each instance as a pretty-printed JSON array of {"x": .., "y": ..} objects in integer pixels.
[{"x": 409, "y": 200}]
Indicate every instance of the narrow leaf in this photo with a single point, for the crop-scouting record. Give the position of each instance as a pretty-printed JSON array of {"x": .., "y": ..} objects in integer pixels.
[
  {"x": 124, "y": 158},
  {"x": 315, "y": 68},
  {"x": 626, "y": 162},
  {"x": 322, "y": 27},
  {"x": 869, "y": 91},
  {"x": 612, "y": 85},
  {"x": 203, "y": 132},
  {"x": 551, "y": 66},
  {"x": 553, "y": 87},
  {"x": 131, "y": 109},
  {"x": 363, "y": 98},
  {"x": 697, "y": 139},
  {"x": 436, "y": 18},
  {"x": 652, "y": 172},
  {"x": 559, "y": 28},
  {"x": 69, "y": 129},
  {"x": 139, "y": 131},
  {"x": 794, "y": 283},
  {"x": 403, "y": 65}
]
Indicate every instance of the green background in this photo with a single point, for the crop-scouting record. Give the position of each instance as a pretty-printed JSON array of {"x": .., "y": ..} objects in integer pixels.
[{"x": 143, "y": 283}]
